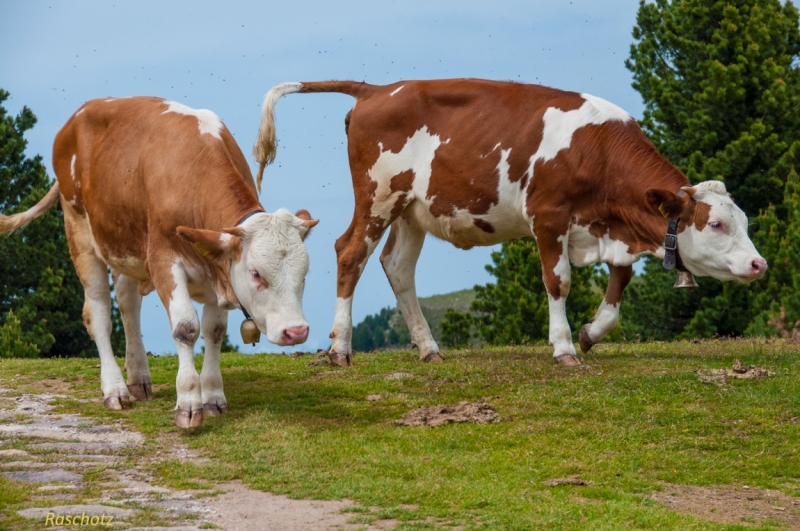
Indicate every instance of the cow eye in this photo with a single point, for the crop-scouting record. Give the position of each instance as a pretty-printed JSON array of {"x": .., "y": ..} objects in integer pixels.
[
  {"x": 255, "y": 274},
  {"x": 716, "y": 225}
]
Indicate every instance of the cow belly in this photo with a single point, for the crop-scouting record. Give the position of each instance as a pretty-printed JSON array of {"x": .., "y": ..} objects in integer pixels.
[
  {"x": 585, "y": 248},
  {"x": 464, "y": 230},
  {"x": 130, "y": 267}
]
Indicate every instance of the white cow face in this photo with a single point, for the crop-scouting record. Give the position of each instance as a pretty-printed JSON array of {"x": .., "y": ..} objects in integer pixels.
[
  {"x": 269, "y": 263},
  {"x": 714, "y": 242}
]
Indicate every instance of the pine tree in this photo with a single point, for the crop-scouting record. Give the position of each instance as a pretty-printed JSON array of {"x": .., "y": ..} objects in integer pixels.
[
  {"x": 377, "y": 331},
  {"x": 647, "y": 314},
  {"x": 779, "y": 297},
  {"x": 721, "y": 87},
  {"x": 514, "y": 310},
  {"x": 12, "y": 345},
  {"x": 39, "y": 281},
  {"x": 457, "y": 328}
]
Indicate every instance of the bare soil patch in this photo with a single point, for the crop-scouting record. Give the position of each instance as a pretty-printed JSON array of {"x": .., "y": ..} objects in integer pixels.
[
  {"x": 739, "y": 371},
  {"x": 244, "y": 509},
  {"x": 569, "y": 480},
  {"x": 475, "y": 412},
  {"x": 398, "y": 376},
  {"x": 732, "y": 505},
  {"x": 84, "y": 445}
]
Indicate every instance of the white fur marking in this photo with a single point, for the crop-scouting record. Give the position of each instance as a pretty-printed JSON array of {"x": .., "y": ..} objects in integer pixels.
[
  {"x": 559, "y": 334},
  {"x": 207, "y": 121},
  {"x": 398, "y": 89},
  {"x": 72, "y": 166},
  {"x": 585, "y": 248},
  {"x": 604, "y": 321},
  {"x": 416, "y": 155},
  {"x": 562, "y": 267},
  {"x": 343, "y": 325},
  {"x": 560, "y": 126}
]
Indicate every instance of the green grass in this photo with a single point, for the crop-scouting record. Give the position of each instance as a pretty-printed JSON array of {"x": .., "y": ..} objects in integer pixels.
[{"x": 635, "y": 419}]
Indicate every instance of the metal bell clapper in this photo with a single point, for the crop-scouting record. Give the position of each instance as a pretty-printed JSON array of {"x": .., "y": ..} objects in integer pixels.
[
  {"x": 684, "y": 280},
  {"x": 250, "y": 332}
]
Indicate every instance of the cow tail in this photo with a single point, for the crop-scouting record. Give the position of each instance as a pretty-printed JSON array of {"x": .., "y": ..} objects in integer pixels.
[
  {"x": 266, "y": 145},
  {"x": 18, "y": 221}
]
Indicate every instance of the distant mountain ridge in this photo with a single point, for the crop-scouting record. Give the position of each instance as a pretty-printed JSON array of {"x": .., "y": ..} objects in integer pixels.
[{"x": 387, "y": 329}]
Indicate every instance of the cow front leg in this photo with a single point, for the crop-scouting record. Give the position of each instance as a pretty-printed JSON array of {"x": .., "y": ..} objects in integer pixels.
[
  {"x": 399, "y": 260},
  {"x": 171, "y": 284},
  {"x": 353, "y": 250},
  {"x": 215, "y": 325},
  {"x": 608, "y": 314},
  {"x": 130, "y": 306},
  {"x": 553, "y": 251}
]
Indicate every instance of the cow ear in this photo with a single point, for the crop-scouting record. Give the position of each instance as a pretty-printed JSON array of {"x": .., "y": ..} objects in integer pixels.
[
  {"x": 308, "y": 223},
  {"x": 212, "y": 244},
  {"x": 667, "y": 203}
]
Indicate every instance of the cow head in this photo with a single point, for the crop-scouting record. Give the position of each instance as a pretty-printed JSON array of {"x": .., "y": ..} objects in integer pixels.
[
  {"x": 714, "y": 239},
  {"x": 268, "y": 263}
]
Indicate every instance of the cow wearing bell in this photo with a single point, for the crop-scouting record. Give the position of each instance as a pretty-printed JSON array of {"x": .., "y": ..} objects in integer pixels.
[
  {"x": 478, "y": 162},
  {"x": 162, "y": 195}
]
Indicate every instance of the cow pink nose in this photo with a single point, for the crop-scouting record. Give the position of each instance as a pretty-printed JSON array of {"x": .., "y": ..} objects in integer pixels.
[
  {"x": 759, "y": 266},
  {"x": 295, "y": 335}
]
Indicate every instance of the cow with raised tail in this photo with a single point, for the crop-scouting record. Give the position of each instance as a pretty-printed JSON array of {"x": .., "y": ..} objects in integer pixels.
[
  {"x": 162, "y": 195},
  {"x": 478, "y": 162}
]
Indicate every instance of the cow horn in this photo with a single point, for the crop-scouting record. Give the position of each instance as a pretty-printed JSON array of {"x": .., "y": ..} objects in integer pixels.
[{"x": 308, "y": 223}]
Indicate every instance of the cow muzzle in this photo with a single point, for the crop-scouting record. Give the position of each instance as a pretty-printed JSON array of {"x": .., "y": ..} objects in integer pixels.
[
  {"x": 295, "y": 335},
  {"x": 758, "y": 267}
]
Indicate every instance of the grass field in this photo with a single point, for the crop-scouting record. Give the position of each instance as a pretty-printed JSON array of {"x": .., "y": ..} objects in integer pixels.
[{"x": 636, "y": 421}]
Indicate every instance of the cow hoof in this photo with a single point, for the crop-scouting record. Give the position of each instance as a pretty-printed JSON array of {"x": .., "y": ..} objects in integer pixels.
[
  {"x": 568, "y": 360},
  {"x": 117, "y": 403},
  {"x": 214, "y": 410},
  {"x": 433, "y": 357},
  {"x": 584, "y": 339},
  {"x": 142, "y": 392},
  {"x": 188, "y": 419},
  {"x": 342, "y": 360}
]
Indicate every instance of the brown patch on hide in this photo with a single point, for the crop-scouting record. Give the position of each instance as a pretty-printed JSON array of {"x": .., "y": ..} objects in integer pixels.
[
  {"x": 618, "y": 280},
  {"x": 484, "y": 225}
]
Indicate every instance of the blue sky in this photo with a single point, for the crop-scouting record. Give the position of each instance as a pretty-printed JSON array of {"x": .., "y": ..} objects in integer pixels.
[{"x": 225, "y": 56}]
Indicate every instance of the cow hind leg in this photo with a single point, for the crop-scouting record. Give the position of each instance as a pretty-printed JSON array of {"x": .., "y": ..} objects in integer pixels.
[
  {"x": 399, "y": 260},
  {"x": 353, "y": 250},
  {"x": 608, "y": 314},
  {"x": 93, "y": 274},
  {"x": 130, "y": 306},
  {"x": 172, "y": 287},
  {"x": 214, "y": 324}
]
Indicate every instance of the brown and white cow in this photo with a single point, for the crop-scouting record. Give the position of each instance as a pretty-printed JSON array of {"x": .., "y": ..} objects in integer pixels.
[
  {"x": 478, "y": 162},
  {"x": 163, "y": 195}
]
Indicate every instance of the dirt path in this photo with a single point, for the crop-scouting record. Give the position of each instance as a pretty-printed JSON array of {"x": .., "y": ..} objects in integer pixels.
[{"x": 79, "y": 467}]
